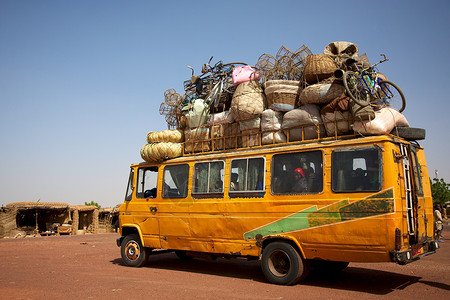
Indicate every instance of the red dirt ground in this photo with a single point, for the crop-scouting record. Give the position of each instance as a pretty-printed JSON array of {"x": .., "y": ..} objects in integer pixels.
[{"x": 90, "y": 267}]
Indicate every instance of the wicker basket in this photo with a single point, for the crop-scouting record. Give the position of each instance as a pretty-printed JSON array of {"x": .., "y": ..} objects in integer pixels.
[
  {"x": 282, "y": 95},
  {"x": 318, "y": 67},
  {"x": 155, "y": 152}
]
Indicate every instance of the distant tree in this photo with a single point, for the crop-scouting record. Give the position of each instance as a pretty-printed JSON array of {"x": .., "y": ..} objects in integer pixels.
[
  {"x": 92, "y": 203},
  {"x": 440, "y": 191}
]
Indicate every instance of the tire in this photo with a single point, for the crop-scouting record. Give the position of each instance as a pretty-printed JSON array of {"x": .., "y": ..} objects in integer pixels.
[
  {"x": 392, "y": 95},
  {"x": 282, "y": 264},
  {"x": 409, "y": 134},
  {"x": 132, "y": 251},
  {"x": 355, "y": 88}
]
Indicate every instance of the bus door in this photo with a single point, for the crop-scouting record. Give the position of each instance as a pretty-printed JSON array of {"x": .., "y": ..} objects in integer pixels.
[
  {"x": 173, "y": 209},
  {"x": 146, "y": 216}
]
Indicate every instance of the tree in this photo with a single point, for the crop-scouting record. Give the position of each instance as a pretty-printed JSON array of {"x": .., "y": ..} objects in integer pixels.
[
  {"x": 92, "y": 203},
  {"x": 440, "y": 191}
]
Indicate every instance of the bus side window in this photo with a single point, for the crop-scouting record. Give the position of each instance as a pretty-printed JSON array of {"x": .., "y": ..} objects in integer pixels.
[
  {"x": 356, "y": 170},
  {"x": 176, "y": 179},
  {"x": 208, "y": 177},
  {"x": 297, "y": 173},
  {"x": 247, "y": 174}
]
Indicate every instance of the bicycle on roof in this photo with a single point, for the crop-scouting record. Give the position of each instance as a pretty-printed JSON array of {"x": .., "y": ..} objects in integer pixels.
[
  {"x": 213, "y": 84},
  {"x": 367, "y": 87}
]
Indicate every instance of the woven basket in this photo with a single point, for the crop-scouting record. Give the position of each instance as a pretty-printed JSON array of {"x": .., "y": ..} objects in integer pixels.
[
  {"x": 318, "y": 67},
  {"x": 174, "y": 136},
  {"x": 160, "y": 151},
  {"x": 282, "y": 95}
]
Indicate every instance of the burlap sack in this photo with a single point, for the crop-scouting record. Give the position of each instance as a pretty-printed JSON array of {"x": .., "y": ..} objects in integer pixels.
[
  {"x": 337, "y": 123},
  {"x": 197, "y": 140},
  {"x": 270, "y": 126},
  {"x": 385, "y": 120},
  {"x": 322, "y": 93},
  {"x": 361, "y": 112},
  {"x": 295, "y": 123},
  {"x": 251, "y": 138},
  {"x": 338, "y": 104},
  {"x": 248, "y": 101}
]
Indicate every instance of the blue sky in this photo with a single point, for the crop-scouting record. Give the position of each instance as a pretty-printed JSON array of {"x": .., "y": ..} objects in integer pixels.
[{"x": 81, "y": 82}]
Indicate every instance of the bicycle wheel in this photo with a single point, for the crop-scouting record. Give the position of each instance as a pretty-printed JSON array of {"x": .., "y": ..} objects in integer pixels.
[
  {"x": 391, "y": 95},
  {"x": 356, "y": 89}
]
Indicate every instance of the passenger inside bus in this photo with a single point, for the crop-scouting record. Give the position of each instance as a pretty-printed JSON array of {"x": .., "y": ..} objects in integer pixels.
[
  {"x": 300, "y": 183},
  {"x": 234, "y": 185}
]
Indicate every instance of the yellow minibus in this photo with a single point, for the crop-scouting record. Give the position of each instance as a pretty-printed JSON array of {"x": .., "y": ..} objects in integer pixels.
[{"x": 295, "y": 206}]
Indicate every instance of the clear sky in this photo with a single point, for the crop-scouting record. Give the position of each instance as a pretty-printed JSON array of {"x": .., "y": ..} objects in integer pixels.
[{"x": 81, "y": 82}]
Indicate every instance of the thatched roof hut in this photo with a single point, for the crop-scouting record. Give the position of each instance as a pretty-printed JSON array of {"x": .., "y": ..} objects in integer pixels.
[{"x": 37, "y": 205}]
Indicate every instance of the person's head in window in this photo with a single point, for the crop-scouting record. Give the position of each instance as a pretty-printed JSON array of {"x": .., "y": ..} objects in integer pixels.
[{"x": 300, "y": 183}]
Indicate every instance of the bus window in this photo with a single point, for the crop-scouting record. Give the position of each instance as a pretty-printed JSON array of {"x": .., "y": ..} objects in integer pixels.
[
  {"x": 356, "y": 170},
  {"x": 247, "y": 175},
  {"x": 129, "y": 193},
  {"x": 146, "y": 182},
  {"x": 175, "y": 184},
  {"x": 417, "y": 173},
  {"x": 297, "y": 173},
  {"x": 208, "y": 177}
]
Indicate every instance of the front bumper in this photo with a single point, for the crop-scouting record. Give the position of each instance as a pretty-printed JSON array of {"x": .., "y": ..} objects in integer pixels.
[{"x": 413, "y": 254}]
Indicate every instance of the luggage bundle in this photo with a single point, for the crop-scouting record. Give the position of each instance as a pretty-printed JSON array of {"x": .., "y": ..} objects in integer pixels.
[{"x": 293, "y": 96}]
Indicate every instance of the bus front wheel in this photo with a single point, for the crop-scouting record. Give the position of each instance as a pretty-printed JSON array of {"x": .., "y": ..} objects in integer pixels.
[
  {"x": 282, "y": 264},
  {"x": 134, "y": 254}
]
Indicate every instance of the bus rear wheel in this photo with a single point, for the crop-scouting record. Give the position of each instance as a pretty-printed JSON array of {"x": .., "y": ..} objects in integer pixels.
[
  {"x": 282, "y": 264},
  {"x": 134, "y": 254}
]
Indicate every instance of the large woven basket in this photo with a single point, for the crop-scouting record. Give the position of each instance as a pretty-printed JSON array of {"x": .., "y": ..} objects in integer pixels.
[
  {"x": 318, "y": 67},
  {"x": 156, "y": 152},
  {"x": 282, "y": 95}
]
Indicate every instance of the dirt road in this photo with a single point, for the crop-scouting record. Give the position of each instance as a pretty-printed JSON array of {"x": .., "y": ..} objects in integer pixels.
[{"x": 90, "y": 267}]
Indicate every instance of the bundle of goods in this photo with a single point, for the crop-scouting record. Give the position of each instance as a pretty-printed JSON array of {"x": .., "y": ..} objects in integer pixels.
[
  {"x": 282, "y": 95},
  {"x": 197, "y": 140},
  {"x": 157, "y": 152},
  {"x": 270, "y": 126},
  {"x": 250, "y": 130},
  {"x": 196, "y": 113},
  {"x": 337, "y": 117},
  {"x": 385, "y": 120},
  {"x": 248, "y": 101},
  {"x": 174, "y": 136},
  {"x": 220, "y": 118},
  {"x": 162, "y": 145},
  {"x": 323, "y": 92},
  {"x": 226, "y": 136},
  {"x": 340, "y": 52},
  {"x": 303, "y": 123},
  {"x": 301, "y": 97}
]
